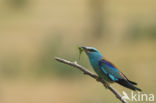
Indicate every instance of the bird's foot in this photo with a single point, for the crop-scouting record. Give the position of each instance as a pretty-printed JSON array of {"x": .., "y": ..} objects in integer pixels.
[
  {"x": 98, "y": 79},
  {"x": 106, "y": 84}
]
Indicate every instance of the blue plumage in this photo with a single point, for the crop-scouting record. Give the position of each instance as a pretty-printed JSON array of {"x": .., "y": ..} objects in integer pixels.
[{"x": 106, "y": 70}]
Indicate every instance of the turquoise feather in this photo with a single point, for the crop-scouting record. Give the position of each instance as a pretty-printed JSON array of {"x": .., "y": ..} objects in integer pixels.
[{"x": 106, "y": 70}]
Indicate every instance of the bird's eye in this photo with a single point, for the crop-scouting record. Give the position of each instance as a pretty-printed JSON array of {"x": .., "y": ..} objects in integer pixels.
[{"x": 91, "y": 50}]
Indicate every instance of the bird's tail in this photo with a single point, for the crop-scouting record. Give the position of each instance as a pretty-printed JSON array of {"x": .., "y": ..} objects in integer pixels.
[
  {"x": 134, "y": 83},
  {"x": 128, "y": 85}
]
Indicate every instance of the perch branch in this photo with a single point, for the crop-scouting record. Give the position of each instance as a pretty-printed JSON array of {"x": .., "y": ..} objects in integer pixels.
[{"x": 85, "y": 71}]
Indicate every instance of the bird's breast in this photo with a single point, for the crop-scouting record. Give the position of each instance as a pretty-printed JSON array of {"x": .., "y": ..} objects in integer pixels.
[{"x": 95, "y": 64}]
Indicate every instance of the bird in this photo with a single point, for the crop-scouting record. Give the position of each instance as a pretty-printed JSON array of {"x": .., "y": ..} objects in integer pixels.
[{"x": 106, "y": 70}]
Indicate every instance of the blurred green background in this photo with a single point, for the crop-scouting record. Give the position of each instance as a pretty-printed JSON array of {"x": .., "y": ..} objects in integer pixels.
[{"x": 33, "y": 32}]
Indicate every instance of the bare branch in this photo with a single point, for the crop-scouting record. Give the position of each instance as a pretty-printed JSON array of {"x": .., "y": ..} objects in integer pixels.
[{"x": 85, "y": 71}]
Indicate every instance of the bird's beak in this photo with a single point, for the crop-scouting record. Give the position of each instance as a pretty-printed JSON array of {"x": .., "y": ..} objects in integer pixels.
[{"x": 84, "y": 48}]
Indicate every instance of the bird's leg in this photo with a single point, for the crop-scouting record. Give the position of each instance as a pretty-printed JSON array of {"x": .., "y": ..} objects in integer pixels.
[
  {"x": 98, "y": 79},
  {"x": 106, "y": 84}
]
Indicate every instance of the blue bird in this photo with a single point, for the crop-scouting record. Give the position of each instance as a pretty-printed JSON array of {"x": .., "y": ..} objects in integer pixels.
[{"x": 106, "y": 70}]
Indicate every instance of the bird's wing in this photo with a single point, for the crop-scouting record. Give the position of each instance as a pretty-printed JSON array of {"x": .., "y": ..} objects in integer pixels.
[
  {"x": 115, "y": 75},
  {"x": 110, "y": 70}
]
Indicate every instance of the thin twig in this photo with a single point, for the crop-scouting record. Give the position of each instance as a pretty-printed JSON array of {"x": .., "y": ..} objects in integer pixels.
[{"x": 85, "y": 71}]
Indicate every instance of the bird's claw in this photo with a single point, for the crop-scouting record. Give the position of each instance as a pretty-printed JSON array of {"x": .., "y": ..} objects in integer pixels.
[
  {"x": 106, "y": 85},
  {"x": 98, "y": 79}
]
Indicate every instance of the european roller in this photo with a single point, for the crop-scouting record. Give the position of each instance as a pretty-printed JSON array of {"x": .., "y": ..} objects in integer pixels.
[{"x": 106, "y": 70}]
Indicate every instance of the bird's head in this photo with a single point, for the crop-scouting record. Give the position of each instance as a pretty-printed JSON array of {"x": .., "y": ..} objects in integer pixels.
[{"x": 92, "y": 53}]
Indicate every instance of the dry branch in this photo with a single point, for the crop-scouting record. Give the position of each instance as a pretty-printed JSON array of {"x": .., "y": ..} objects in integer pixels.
[{"x": 85, "y": 71}]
